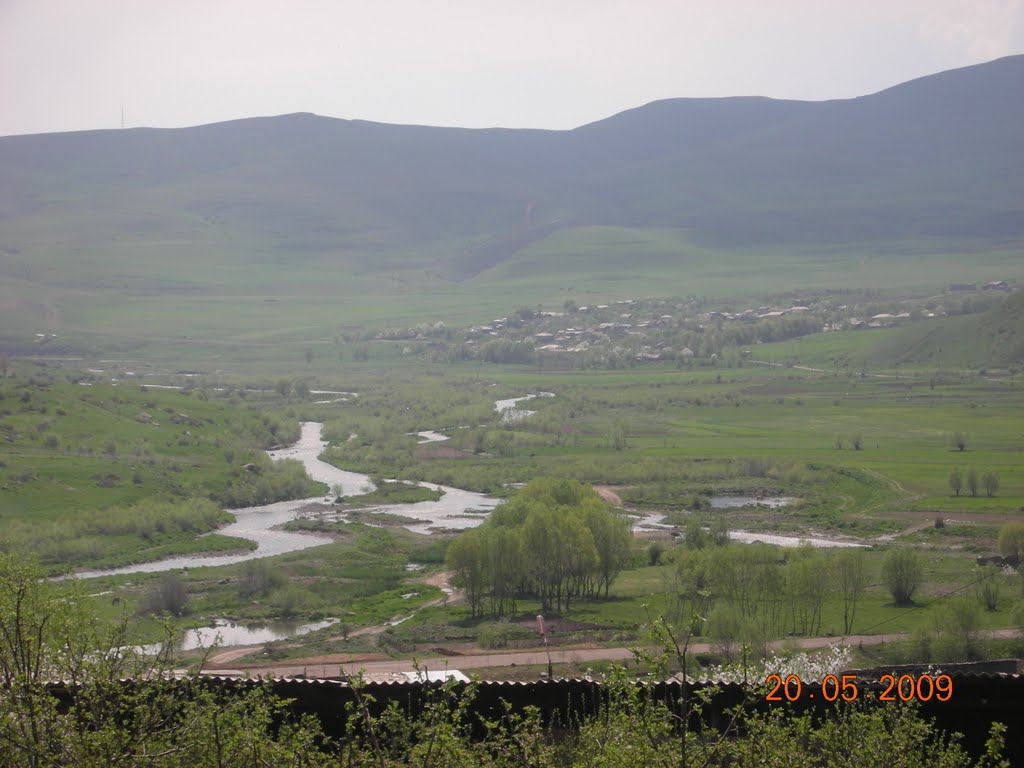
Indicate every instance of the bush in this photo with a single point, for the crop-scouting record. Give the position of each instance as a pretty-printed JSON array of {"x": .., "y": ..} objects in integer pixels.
[
  {"x": 168, "y": 596},
  {"x": 990, "y": 589},
  {"x": 955, "y": 630},
  {"x": 259, "y": 579},
  {"x": 654, "y": 552}
]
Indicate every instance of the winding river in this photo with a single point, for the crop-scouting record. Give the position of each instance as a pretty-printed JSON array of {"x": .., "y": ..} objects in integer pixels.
[{"x": 456, "y": 510}]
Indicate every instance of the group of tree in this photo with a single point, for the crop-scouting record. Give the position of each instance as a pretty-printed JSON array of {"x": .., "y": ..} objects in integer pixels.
[
  {"x": 989, "y": 481},
  {"x": 754, "y": 592},
  {"x": 555, "y": 540}
]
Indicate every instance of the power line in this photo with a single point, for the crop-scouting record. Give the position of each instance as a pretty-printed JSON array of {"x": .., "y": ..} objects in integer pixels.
[{"x": 910, "y": 610}]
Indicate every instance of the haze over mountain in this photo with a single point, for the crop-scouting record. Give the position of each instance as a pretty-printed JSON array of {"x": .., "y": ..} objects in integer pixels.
[{"x": 933, "y": 161}]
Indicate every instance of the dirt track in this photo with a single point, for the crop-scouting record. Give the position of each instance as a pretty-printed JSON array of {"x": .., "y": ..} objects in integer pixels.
[{"x": 336, "y": 666}]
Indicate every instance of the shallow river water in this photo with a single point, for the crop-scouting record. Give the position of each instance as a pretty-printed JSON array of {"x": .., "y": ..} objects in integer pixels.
[{"x": 455, "y": 510}]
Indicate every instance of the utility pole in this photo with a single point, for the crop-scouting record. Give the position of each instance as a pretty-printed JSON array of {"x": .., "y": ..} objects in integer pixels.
[{"x": 542, "y": 631}]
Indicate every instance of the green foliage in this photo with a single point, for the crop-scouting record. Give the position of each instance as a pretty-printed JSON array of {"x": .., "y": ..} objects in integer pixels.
[
  {"x": 499, "y": 634},
  {"x": 269, "y": 481},
  {"x": 954, "y": 630},
  {"x": 554, "y": 539},
  {"x": 165, "y": 720},
  {"x": 259, "y": 578},
  {"x": 901, "y": 572},
  {"x": 956, "y": 481},
  {"x": 168, "y": 596},
  {"x": 103, "y": 475},
  {"x": 1011, "y": 539},
  {"x": 162, "y": 720},
  {"x": 972, "y": 481},
  {"x": 990, "y": 481},
  {"x": 119, "y": 535},
  {"x": 391, "y": 492},
  {"x": 851, "y": 578},
  {"x": 959, "y": 441},
  {"x": 990, "y": 589},
  {"x": 654, "y": 552}
]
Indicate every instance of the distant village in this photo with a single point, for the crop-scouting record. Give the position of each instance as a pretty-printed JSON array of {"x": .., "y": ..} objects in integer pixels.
[{"x": 689, "y": 331}]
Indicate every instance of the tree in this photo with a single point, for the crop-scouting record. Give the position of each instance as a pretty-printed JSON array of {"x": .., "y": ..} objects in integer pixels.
[
  {"x": 959, "y": 441},
  {"x": 851, "y": 577},
  {"x": 719, "y": 534},
  {"x": 612, "y": 540},
  {"x": 956, "y": 628},
  {"x": 956, "y": 481},
  {"x": 1011, "y": 540},
  {"x": 283, "y": 387},
  {"x": 806, "y": 585},
  {"x": 972, "y": 481},
  {"x": 617, "y": 435},
  {"x": 901, "y": 572},
  {"x": 555, "y": 539},
  {"x": 695, "y": 537},
  {"x": 465, "y": 559},
  {"x": 990, "y": 481},
  {"x": 504, "y": 560},
  {"x": 990, "y": 588}
]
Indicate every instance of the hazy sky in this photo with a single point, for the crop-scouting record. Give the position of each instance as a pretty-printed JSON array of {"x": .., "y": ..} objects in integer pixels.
[{"x": 73, "y": 64}]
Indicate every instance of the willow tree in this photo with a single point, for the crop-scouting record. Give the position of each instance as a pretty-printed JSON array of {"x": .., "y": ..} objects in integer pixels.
[{"x": 555, "y": 539}]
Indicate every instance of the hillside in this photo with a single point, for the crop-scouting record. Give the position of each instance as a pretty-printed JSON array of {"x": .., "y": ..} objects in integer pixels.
[
  {"x": 993, "y": 338},
  {"x": 108, "y": 230}
]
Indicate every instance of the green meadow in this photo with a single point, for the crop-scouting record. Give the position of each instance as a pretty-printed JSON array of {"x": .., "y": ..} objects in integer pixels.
[
  {"x": 240, "y": 307},
  {"x": 102, "y": 468},
  {"x": 98, "y": 474}
]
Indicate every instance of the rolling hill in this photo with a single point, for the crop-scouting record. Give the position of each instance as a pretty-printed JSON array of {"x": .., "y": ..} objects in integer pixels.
[
  {"x": 993, "y": 338},
  {"x": 152, "y": 231}
]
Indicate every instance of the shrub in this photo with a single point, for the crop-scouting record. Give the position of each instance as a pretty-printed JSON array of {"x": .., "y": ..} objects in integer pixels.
[
  {"x": 168, "y": 596},
  {"x": 654, "y": 552}
]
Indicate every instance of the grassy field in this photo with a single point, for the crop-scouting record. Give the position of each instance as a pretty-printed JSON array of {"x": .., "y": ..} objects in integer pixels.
[
  {"x": 97, "y": 474},
  {"x": 174, "y": 306},
  {"x": 867, "y": 452}
]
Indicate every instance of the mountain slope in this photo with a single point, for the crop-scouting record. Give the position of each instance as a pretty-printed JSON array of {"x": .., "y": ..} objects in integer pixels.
[{"x": 270, "y": 206}]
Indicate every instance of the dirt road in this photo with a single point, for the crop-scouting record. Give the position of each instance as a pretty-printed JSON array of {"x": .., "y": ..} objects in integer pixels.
[{"x": 321, "y": 667}]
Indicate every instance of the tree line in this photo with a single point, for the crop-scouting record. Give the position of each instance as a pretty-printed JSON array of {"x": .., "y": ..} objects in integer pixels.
[
  {"x": 754, "y": 592},
  {"x": 989, "y": 481},
  {"x": 555, "y": 540}
]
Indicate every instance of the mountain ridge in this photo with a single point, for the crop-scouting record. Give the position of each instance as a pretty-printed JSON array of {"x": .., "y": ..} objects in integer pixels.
[{"x": 919, "y": 166}]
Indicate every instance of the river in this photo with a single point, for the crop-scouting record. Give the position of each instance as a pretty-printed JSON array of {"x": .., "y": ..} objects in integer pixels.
[{"x": 456, "y": 510}]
